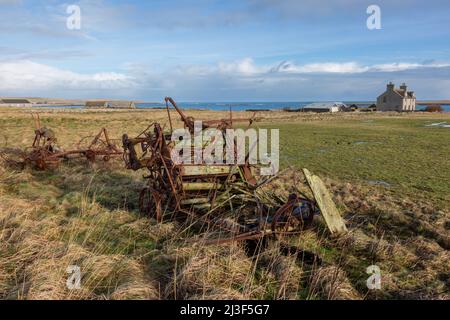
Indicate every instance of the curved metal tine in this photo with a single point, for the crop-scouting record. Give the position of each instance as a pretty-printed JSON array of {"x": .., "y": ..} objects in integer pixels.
[
  {"x": 37, "y": 120},
  {"x": 146, "y": 129},
  {"x": 168, "y": 114}
]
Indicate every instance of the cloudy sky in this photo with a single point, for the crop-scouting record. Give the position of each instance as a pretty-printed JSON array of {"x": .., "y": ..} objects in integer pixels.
[{"x": 234, "y": 50}]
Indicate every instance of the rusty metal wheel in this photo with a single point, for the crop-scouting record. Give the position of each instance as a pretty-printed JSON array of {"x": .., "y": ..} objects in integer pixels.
[
  {"x": 150, "y": 204},
  {"x": 294, "y": 216},
  {"x": 286, "y": 220}
]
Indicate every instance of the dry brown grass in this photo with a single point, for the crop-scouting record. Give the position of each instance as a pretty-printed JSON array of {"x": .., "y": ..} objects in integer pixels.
[
  {"x": 87, "y": 216},
  {"x": 39, "y": 244},
  {"x": 123, "y": 256}
]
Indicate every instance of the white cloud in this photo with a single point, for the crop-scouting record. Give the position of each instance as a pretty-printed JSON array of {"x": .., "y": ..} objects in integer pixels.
[
  {"x": 328, "y": 67},
  {"x": 245, "y": 67},
  {"x": 236, "y": 80},
  {"x": 31, "y": 76},
  {"x": 248, "y": 67},
  {"x": 395, "y": 67}
]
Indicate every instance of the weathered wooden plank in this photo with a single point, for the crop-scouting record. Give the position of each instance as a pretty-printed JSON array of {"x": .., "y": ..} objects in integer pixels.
[
  {"x": 333, "y": 219},
  {"x": 197, "y": 170},
  {"x": 201, "y": 186}
]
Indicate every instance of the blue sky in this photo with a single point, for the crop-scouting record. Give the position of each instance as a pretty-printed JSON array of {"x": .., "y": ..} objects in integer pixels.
[{"x": 210, "y": 50}]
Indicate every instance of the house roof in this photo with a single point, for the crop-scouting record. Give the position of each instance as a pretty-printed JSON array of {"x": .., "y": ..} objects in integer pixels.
[
  {"x": 400, "y": 92},
  {"x": 15, "y": 101},
  {"x": 325, "y": 105}
]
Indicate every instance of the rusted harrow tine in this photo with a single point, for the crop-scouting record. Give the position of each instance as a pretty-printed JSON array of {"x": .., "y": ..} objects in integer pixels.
[{"x": 45, "y": 153}]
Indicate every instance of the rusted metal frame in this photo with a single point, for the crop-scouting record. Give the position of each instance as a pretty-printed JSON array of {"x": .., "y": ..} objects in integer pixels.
[
  {"x": 112, "y": 147},
  {"x": 168, "y": 114},
  {"x": 95, "y": 140},
  {"x": 169, "y": 175},
  {"x": 256, "y": 234},
  {"x": 64, "y": 154},
  {"x": 157, "y": 198},
  {"x": 36, "y": 139},
  {"x": 188, "y": 122},
  {"x": 160, "y": 151},
  {"x": 108, "y": 141},
  {"x": 287, "y": 207},
  {"x": 37, "y": 120},
  {"x": 145, "y": 131}
]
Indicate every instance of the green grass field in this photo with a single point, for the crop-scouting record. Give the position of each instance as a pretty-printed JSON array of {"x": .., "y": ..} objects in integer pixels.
[
  {"x": 403, "y": 155},
  {"x": 388, "y": 174}
]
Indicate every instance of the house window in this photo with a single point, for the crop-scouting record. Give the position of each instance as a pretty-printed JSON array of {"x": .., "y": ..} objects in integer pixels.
[{"x": 384, "y": 99}]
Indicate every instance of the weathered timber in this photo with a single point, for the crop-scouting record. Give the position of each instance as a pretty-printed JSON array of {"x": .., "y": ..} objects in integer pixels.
[
  {"x": 193, "y": 170},
  {"x": 333, "y": 219},
  {"x": 201, "y": 186}
]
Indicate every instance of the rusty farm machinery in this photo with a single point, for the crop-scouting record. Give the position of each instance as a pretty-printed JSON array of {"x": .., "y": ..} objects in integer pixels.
[
  {"x": 229, "y": 197},
  {"x": 45, "y": 153},
  {"x": 232, "y": 198}
]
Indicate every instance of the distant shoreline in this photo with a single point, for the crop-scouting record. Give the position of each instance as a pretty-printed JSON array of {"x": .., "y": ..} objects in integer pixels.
[
  {"x": 425, "y": 102},
  {"x": 77, "y": 102},
  {"x": 213, "y": 106}
]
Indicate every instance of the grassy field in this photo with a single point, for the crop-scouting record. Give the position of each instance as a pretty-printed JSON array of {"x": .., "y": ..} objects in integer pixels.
[
  {"x": 403, "y": 155},
  {"x": 388, "y": 174}
]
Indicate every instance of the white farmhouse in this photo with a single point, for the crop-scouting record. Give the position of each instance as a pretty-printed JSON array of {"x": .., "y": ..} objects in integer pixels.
[{"x": 396, "y": 99}]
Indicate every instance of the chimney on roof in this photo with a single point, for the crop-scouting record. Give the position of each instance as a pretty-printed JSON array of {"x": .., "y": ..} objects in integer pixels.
[
  {"x": 390, "y": 86},
  {"x": 404, "y": 87}
]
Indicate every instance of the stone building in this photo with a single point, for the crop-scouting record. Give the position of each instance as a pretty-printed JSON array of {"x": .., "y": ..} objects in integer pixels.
[{"x": 396, "y": 99}]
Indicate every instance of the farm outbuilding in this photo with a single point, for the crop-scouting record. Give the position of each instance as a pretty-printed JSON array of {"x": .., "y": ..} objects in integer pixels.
[
  {"x": 98, "y": 104},
  {"x": 105, "y": 104},
  {"x": 121, "y": 105},
  {"x": 325, "y": 107},
  {"x": 15, "y": 102}
]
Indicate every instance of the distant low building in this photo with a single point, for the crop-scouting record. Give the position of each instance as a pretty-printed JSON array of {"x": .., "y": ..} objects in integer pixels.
[
  {"x": 373, "y": 107},
  {"x": 121, "y": 105},
  {"x": 325, "y": 107},
  {"x": 353, "y": 107},
  {"x": 396, "y": 99},
  {"x": 361, "y": 107},
  {"x": 15, "y": 102},
  {"x": 96, "y": 104},
  {"x": 103, "y": 104}
]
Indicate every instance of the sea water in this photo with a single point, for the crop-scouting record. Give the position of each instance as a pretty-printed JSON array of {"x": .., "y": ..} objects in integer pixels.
[{"x": 235, "y": 106}]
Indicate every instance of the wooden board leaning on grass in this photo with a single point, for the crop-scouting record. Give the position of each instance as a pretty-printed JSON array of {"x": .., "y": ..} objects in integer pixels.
[{"x": 333, "y": 219}]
